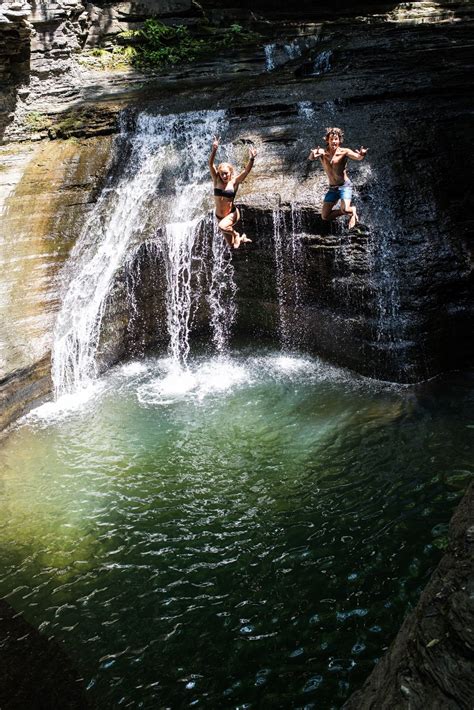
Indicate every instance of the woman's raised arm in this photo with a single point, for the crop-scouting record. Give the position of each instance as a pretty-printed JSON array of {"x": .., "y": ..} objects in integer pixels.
[
  {"x": 212, "y": 167},
  {"x": 240, "y": 178}
]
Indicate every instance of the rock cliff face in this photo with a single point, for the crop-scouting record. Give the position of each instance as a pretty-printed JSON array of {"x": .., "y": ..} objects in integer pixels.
[
  {"x": 41, "y": 48},
  {"x": 46, "y": 190}
]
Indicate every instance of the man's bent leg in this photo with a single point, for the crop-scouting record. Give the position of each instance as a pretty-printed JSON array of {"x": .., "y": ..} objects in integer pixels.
[
  {"x": 327, "y": 213},
  {"x": 350, "y": 210}
]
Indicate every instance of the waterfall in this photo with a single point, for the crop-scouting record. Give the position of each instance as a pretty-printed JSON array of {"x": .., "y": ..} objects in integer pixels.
[
  {"x": 222, "y": 293},
  {"x": 288, "y": 256},
  {"x": 278, "y": 54},
  {"x": 159, "y": 189},
  {"x": 270, "y": 61},
  {"x": 322, "y": 63},
  {"x": 177, "y": 247},
  {"x": 380, "y": 217},
  {"x": 306, "y": 110}
]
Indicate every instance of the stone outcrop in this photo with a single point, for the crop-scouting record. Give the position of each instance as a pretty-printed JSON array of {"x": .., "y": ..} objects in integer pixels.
[
  {"x": 40, "y": 44},
  {"x": 430, "y": 663}
]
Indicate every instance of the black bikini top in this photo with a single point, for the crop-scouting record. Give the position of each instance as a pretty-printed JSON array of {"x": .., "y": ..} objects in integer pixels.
[{"x": 228, "y": 194}]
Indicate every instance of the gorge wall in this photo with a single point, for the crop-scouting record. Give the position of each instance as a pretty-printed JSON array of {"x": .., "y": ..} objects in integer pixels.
[{"x": 393, "y": 302}]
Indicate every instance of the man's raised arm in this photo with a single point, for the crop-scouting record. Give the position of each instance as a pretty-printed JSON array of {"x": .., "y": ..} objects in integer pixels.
[
  {"x": 316, "y": 153},
  {"x": 356, "y": 154}
]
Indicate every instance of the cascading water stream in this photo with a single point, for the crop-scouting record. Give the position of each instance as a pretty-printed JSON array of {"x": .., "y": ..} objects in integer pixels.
[
  {"x": 222, "y": 293},
  {"x": 177, "y": 248},
  {"x": 159, "y": 194},
  {"x": 380, "y": 217},
  {"x": 288, "y": 257}
]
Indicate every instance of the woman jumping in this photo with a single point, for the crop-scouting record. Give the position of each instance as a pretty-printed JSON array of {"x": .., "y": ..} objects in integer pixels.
[{"x": 225, "y": 190}]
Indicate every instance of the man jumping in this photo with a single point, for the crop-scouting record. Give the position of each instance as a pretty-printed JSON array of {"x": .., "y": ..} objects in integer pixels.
[{"x": 334, "y": 161}]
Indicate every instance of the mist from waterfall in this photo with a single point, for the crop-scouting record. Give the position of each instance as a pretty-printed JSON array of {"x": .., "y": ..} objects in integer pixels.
[{"x": 159, "y": 191}]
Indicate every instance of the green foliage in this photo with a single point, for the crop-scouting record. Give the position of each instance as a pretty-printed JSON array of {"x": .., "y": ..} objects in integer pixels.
[
  {"x": 36, "y": 121},
  {"x": 163, "y": 45},
  {"x": 157, "y": 45},
  {"x": 118, "y": 57},
  {"x": 237, "y": 35}
]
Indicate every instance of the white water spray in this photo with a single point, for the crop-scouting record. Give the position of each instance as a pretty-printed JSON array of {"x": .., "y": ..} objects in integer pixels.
[
  {"x": 288, "y": 256},
  {"x": 177, "y": 249},
  {"x": 222, "y": 293}
]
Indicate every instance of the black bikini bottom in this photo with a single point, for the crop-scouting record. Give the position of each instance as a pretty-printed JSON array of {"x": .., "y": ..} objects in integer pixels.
[{"x": 234, "y": 209}]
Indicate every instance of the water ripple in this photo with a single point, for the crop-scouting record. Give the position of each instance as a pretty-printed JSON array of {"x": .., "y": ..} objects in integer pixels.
[{"x": 256, "y": 533}]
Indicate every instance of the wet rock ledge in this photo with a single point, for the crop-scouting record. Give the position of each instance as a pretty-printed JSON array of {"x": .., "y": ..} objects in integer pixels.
[{"x": 430, "y": 664}]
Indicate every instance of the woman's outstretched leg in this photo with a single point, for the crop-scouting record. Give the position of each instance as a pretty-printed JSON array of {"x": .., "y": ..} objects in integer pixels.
[
  {"x": 232, "y": 237},
  {"x": 226, "y": 225}
]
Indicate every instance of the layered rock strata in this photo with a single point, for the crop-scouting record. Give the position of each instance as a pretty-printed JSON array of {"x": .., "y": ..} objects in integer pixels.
[{"x": 46, "y": 191}]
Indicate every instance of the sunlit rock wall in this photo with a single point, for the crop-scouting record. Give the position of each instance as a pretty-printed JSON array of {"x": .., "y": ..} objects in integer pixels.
[
  {"x": 40, "y": 43},
  {"x": 46, "y": 190}
]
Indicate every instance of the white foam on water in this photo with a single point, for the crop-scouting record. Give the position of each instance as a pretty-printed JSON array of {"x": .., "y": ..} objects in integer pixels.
[
  {"x": 216, "y": 376},
  {"x": 132, "y": 369},
  {"x": 67, "y": 404},
  {"x": 286, "y": 363}
]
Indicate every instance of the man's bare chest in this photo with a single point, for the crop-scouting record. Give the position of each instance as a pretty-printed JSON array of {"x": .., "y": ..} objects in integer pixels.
[{"x": 335, "y": 162}]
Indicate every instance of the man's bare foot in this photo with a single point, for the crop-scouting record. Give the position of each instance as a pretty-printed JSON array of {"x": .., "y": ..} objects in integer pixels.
[
  {"x": 244, "y": 239},
  {"x": 353, "y": 220},
  {"x": 236, "y": 240}
]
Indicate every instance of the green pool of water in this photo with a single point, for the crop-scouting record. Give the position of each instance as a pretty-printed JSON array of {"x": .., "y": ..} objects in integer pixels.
[{"x": 250, "y": 533}]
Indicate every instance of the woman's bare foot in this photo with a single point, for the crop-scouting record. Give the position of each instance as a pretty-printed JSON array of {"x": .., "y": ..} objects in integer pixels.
[
  {"x": 244, "y": 239},
  {"x": 236, "y": 240},
  {"x": 354, "y": 219}
]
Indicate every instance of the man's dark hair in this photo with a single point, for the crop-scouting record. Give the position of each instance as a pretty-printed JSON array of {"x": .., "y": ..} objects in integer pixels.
[{"x": 333, "y": 131}]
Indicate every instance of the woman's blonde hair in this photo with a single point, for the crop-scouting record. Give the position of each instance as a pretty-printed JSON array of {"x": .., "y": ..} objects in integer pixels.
[
  {"x": 333, "y": 131},
  {"x": 228, "y": 166}
]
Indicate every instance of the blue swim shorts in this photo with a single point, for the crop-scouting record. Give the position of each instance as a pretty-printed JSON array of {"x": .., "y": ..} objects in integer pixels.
[{"x": 339, "y": 192}]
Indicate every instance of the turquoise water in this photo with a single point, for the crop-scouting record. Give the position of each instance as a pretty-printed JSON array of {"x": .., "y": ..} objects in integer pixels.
[{"x": 249, "y": 533}]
